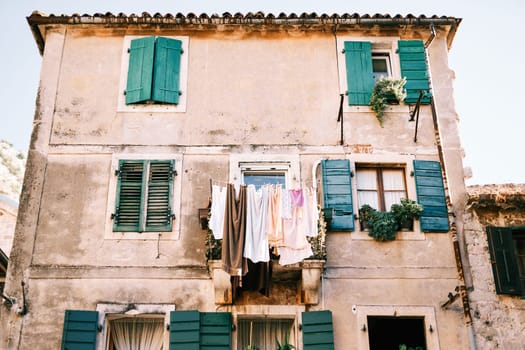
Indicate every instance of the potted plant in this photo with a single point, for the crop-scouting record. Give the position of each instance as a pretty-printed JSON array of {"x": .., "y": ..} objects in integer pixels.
[
  {"x": 382, "y": 226},
  {"x": 386, "y": 91},
  {"x": 405, "y": 213},
  {"x": 364, "y": 215},
  {"x": 285, "y": 345}
]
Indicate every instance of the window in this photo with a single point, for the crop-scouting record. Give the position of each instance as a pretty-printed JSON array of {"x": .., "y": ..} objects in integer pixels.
[
  {"x": 380, "y": 186},
  {"x": 143, "y": 332},
  {"x": 259, "y": 178},
  {"x": 388, "y": 332},
  {"x": 144, "y": 196},
  {"x": 369, "y": 60},
  {"x": 507, "y": 252},
  {"x": 272, "y": 170},
  {"x": 154, "y": 70},
  {"x": 263, "y": 332},
  {"x": 381, "y": 67}
]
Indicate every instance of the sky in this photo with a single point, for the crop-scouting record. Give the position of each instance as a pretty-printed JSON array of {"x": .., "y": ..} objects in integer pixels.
[{"x": 487, "y": 88}]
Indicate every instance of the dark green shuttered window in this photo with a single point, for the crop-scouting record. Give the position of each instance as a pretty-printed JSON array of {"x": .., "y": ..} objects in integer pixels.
[
  {"x": 144, "y": 196},
  {"x": 504, "y": 262},
  {"x": 414, "y": 68},
  {"x": 154, "y": 70},
  {"x": 359, "y": 73},
  {"x": 80, "y": 330},
  {"x": 337, "y": 193},
  {"x": 318, "y": 331},
  {"x": 194, "y": 330},
  {"x": 431, "y": 194}
]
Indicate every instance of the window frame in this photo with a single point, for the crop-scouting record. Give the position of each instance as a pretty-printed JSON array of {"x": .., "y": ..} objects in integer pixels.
[
  {"x": 379, "y": 168},
  {"x": 281, "y": 163},
  {"x": 175, "y": 199},
  {"x": 380, "y": 45},
  {"x": 153, "y": 107},
  {"x": 401, "y": 160}
]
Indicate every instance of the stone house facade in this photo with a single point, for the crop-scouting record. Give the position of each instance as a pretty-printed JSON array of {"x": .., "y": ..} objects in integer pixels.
[
  {"x": 494, "y": 232},
  {"x": 138, "y": 117}
]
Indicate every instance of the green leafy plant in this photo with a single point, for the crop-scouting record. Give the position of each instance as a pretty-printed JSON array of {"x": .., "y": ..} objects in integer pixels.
[
  {"x": 406, "y": 211},
  {"x": 285, "y": 345},
  {"x": 386, "y": 90},
  {"x": 318, "y": 243},
  {"x": 382, "y": 226},
  {"x": 405, "y": 347},
  {"x": 213, "y": 247},
  {"x": 251, "y": 347}
]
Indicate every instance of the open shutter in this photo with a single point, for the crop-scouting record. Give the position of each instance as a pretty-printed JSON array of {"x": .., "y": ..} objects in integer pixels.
[
  {"x": 318, "y": 330},
  {"x": 140, "y": 70},
  {"x": 215, "y": 331},
  {"x": 184, "y": 330},
  {"x": 337, "y": 193},
  {"x": 414, "y": 68},
  {"x": 80, "y": 330},
  {"x": 129, "y": 199},
  {"x": 359, "y": 73},
  {"x": 160, "y": 187},
  {"x": 431, "y": 194},
  {"x": 166, "y": 76},
  {"x": 503, "y": 259}
]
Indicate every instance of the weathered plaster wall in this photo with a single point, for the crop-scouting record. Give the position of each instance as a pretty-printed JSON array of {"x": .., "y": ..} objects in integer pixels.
[
  {"x": 278, "y": 90},
  {"x": 498, "y": 320}
]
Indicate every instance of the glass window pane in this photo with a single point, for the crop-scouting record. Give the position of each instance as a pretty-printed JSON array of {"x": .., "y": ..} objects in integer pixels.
[
  {"x": 393, "y": 180},
  {"x": 264, "y": 332},
  {"x": 262, "y": 178},
  {"x": 368, "y": 197},
  {"x": 366, "y": 179}
]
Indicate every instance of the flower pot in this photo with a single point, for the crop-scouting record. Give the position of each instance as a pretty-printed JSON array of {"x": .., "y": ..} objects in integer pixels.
[{"x": 406, "y": 225}]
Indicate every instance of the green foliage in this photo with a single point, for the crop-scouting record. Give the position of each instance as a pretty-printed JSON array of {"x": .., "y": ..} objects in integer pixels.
[
  {"x": 319, "y": 243},
  {"x": 285, "y": 345},
  {"x": 405, "y": 347},
  {"x": 406, "y": 210},
  {"x": 213, "y": 247},
  {"x": 382, "y": 226},
  {"x": 386, "y": 90},
  {"x": 251, "y": 347}
]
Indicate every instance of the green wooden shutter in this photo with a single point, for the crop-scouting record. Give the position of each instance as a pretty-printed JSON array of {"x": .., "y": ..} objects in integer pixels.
[
  {"x": 166, "y": 76},
  {"x": 184, "y": 330},
  {"x": 504, "y": 261},
  {"x": 318, "y": 330},
  {"x": 215, "y": 331},
  {"x": 130, "y": 196},
  {"x": 431, "y": 194},
  {"x": 140, "y": 70},
  {"x": 359, "y": 73},
  {"x": 160, "y": 188},
  {"x": 337, "y": 193},
  {"x": 80, "y": 330},
  {"x": 414, "y": 68}
]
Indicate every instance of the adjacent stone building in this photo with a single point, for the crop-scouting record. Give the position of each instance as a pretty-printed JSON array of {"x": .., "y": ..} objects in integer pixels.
[
  {"x": 495, "y": 237},
  {"x": 139, "y": 117}
]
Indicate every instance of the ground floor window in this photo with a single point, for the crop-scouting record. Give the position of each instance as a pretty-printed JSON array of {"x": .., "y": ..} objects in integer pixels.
[
  {"x": 396, "y": 333},
  {"x": 136, "y": 333},
  {"x": 264, "y": 333}
]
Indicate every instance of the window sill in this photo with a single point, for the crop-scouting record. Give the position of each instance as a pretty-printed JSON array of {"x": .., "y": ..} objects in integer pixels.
[
  {"x": 400, "y": 108},
  {"x": 415, "y": 235}
]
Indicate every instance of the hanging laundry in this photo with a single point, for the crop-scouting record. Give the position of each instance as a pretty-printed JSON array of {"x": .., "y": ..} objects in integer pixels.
[
  {"x": 274, "y": 226},
  {"x": 218, "y": 203},
  {"x": 310, "y": 212},
  {"x": 256, "y": 241},
  {"x": 234, "y": 232},
  {"x": 286, "y": 205}
]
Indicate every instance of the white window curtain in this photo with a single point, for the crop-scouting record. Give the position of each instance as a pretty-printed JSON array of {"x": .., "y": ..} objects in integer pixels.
[
  {"x": 367, "y": 188},
  {"x": 393, "y": 186},
  {"x": 264, "y": 332},
  {"x": 137, "y": 333}
]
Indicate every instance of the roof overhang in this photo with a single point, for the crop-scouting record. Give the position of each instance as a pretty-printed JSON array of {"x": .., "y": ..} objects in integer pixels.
[{"x": 312, "y": 22}]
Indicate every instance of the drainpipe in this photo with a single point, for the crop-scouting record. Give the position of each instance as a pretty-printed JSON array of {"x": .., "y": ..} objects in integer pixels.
[{"x": 461, "y": 289}]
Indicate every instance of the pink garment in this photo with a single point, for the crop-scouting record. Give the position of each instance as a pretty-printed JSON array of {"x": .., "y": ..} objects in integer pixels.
[
  {"x": 295, "y": 247},
  {"x": 296, "y": 197}
]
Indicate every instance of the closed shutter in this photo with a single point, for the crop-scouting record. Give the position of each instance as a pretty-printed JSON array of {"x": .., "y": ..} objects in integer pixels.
[
  {"x": 431, "y": 194},
  {"x": 359, "y": 73},
  {"x": 318, "y": 330},
  {"x": 166, "y": 76},
  {"x": 414, "y": 68},
  {"x": 184, "y": 330},
  {"x": 337, "y": 193},
  {"x": 130, "y": 196},
  {"x": 80, "y": 330},
  {"x": 160, "y": 187},
  {"x": 140, "y": 70},
  {"x": 215, "y": 330},
  {"x": 503, "y": 259}
]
